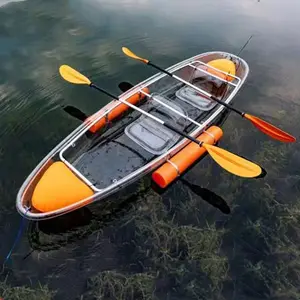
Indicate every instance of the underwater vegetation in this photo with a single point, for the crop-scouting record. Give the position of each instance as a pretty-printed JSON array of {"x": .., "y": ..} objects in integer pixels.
[
  {"x": 210, "y": 236},
  {"x": 22, "y": 292},
  {"x": 161, "y": 258},
  {"x": 114, "y": 285},
  {"x": 187, "y": 249},
  {"x": 186, "y": 246}
]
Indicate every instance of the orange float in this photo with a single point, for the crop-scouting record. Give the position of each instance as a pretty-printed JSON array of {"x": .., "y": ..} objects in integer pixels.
[
  {"x": 58, "y": 188},
  {"x": 117, "y": 111},
  {"x": 175, "y": 166}
]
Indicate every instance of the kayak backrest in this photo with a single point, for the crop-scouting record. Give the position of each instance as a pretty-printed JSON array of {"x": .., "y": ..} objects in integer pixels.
[{"x": 224, "y": 65}]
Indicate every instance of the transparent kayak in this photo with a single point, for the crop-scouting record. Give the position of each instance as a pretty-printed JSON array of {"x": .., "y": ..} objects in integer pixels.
[{"x": 117, "y": 145}]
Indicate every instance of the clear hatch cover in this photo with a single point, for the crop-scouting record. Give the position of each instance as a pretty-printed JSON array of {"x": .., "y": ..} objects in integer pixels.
[{"x": 152, "y": 136}]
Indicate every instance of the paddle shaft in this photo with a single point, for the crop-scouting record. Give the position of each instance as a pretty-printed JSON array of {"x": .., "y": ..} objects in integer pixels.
[
  {"x": 149, "y": 115},
  {"x": 129, "y": 86},
  {"x": 197, "y": 89}
]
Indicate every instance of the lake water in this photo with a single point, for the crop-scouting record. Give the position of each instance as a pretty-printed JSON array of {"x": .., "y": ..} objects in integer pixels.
[{"x": 172, "y": 245}]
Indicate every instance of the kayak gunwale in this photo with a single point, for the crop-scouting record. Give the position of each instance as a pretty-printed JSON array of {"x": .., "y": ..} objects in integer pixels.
[{"x": 22, "y": 207}]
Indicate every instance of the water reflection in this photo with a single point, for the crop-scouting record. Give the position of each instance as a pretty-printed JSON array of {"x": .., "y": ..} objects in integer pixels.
[
  {"x": 6, "y": 2},
  {"x": 55, "y": 233}
]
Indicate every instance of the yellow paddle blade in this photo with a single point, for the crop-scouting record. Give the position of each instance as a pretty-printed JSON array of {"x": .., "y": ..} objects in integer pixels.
[
  {"x": 73, "y": 76},
  {"x": 134, "y": 56},
  {"x": 233, "y": 163}
]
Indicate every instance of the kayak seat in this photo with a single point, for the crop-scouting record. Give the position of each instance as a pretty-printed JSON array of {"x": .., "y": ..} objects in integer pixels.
[
  {"x": 152, "y": 136},
  {"x": 208, "y": 83},
  {"x": 58, "y": 188}
]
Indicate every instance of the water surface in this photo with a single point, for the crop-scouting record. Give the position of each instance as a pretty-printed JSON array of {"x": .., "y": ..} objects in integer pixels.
[{"x": 173, "y": 245}]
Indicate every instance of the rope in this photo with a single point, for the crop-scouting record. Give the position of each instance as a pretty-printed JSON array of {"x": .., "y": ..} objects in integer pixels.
[{"x": 21, "y": 228}]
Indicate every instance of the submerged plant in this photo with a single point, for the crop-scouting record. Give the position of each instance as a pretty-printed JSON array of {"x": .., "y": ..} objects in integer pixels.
[
  {"x": 272, "y": 157},
  {"x": 203, "y": 247},
  {"x": 183, "y": 252},
  {"x": 25, "y": 293},
  {"x": 116, "y": 286}
]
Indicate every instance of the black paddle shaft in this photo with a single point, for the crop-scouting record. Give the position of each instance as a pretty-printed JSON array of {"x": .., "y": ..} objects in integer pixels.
[
  {"x": 228, "y": 106},
  {"x": 183, "y": 134},
  {"x": 160, "y": 69},
  {"x": 103, "y": 91}
]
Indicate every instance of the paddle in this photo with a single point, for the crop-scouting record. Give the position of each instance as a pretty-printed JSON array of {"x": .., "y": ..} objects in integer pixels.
[
  {"x": 262, "y": 125},
  {"x": 229, "y": 161}
]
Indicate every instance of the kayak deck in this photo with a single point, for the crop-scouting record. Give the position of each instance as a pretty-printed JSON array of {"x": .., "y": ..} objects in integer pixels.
[{"x": 116, "y": 154}]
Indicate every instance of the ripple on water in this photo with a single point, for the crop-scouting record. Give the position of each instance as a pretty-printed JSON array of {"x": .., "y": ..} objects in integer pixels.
[
  {"x": 6, "y": 2},
  {"x": 21, "y": 108}
]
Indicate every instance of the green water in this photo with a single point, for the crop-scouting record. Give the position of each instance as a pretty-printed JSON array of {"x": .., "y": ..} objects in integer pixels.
[{"x": 172, "y": 245}]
